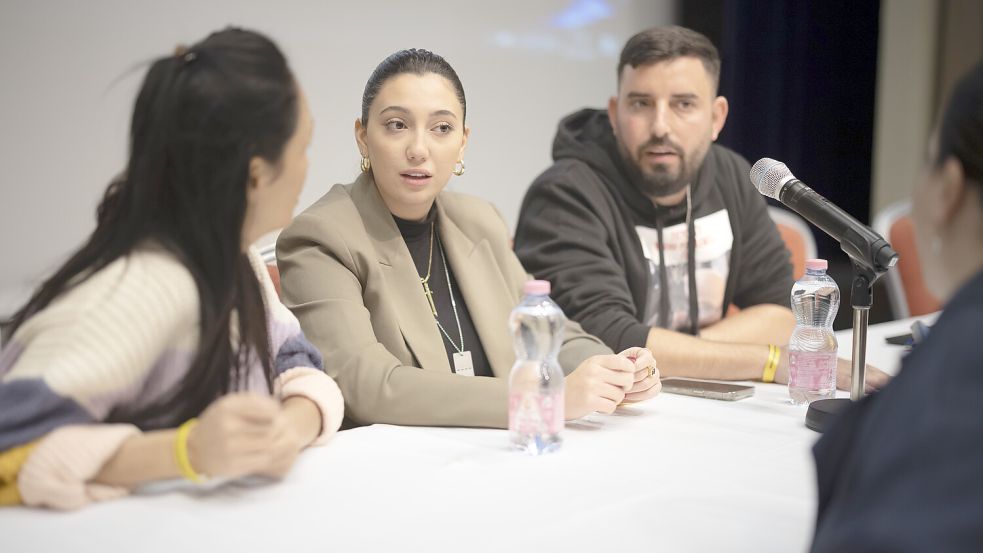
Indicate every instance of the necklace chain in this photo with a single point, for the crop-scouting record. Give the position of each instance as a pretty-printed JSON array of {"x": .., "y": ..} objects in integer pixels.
[{"x": 425, "y": 281}]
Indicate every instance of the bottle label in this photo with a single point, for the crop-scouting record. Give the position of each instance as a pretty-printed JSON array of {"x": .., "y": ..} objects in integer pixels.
[
  {"x": 814, "y": 370},
  {"x": 535, "y": 413}
]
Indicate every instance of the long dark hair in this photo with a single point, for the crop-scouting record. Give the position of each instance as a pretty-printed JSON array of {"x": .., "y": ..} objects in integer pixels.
[
  {"x": 417, "y": 62},
  {"x": 961, "y": 128},
  {"x": 201, "y": 115}
]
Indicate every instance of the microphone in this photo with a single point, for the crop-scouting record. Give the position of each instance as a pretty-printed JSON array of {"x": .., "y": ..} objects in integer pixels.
[{"x": 864, "y": 246}]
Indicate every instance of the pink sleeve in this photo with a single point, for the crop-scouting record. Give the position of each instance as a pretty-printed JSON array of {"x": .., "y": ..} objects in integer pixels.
[
  {"x": 57, "y": 474},
  {"x": 318, "y": 387}
]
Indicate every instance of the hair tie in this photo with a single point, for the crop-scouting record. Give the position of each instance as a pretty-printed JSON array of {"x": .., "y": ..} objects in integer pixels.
[{"x": 181, "y": 51}]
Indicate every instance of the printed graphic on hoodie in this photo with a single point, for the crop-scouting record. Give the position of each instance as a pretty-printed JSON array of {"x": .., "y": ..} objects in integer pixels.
[{"x": 714, "y": 241}]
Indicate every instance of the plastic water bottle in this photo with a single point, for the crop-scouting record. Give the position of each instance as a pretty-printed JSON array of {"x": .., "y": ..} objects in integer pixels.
[
  {"x": 536, "y": 381},
  {"x": 812, "y": 348}
]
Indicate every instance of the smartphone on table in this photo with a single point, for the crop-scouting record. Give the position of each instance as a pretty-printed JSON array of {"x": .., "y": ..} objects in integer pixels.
[{"x": 707, "y": 389}]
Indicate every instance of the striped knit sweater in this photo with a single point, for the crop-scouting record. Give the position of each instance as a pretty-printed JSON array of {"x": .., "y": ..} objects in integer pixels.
[{"x": 122, "y": 338}]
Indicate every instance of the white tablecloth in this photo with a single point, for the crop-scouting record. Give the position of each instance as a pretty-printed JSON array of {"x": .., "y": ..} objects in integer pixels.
[{"x": 674, "y": 474}]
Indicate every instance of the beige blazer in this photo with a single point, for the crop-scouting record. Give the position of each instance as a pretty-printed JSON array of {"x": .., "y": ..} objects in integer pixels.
[{"x": 348, "y": 276}]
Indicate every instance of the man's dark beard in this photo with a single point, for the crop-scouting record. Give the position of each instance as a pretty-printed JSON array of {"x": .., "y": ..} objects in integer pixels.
[{"x": 660, "y": 183}]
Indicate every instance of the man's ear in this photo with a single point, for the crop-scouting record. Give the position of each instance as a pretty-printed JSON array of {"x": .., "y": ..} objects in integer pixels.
[
  {"x": 613, "y": 113},
  {"x": 719, "y": 115}
]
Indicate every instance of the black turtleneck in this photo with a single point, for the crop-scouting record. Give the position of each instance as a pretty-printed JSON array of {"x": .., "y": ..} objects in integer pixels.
[{"x": 417, "y": 238}]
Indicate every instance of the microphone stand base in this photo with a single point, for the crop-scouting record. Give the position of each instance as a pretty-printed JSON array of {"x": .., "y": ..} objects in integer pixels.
[{"x": 822, "y": 412}]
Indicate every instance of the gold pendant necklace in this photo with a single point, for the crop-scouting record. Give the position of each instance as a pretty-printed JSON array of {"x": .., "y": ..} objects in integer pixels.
[{"x": 425, "y": 281}]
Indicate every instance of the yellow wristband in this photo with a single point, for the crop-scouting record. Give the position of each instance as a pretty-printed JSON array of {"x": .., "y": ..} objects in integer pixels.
[
  {"x": 181, "y": 451},
  {"x": 772, "y": 365}
]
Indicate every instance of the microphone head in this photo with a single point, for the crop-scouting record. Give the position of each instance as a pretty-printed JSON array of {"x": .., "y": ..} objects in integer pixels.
[{"x": 769, "y": 175}]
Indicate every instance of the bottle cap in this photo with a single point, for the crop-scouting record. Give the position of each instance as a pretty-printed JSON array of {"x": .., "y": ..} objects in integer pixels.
[
  {"x": 816, "y": 264},
  {"x": 536, "y": 288}
]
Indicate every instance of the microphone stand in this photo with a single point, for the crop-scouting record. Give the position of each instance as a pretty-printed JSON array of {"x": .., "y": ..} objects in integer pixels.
[
  {"x": 870, "y": 254},
  {"x": 822, "y": 412}
]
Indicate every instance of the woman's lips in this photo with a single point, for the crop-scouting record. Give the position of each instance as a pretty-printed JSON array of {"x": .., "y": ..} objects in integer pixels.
[{"x": 416, "y": 179}]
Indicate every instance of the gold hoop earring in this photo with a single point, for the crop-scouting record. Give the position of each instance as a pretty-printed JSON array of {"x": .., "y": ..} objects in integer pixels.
[
  {"x": 459, "y": 168},
  {"x": 365, "y": 164}
]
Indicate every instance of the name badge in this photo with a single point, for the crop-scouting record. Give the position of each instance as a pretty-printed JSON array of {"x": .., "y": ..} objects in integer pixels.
[{"x": 463, "y": 364}]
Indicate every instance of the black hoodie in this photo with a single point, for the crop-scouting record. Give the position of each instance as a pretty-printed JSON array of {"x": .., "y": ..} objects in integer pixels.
[{"x": 583, "y": 222}]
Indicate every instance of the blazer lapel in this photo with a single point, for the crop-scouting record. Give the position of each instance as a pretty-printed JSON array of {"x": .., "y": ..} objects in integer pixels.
[
  {"x": 480, "y": 279},
  {"x": 401, "y": 278}
]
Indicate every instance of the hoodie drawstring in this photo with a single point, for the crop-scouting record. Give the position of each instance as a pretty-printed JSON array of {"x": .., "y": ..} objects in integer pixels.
[
  {"x": 663, "y": 321},
  {"x": 694, "y": 303}
]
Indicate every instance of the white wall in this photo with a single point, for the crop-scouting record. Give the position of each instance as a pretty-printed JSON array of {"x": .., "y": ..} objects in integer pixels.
[
  {"x": 905, "y": 100},
  {"x": 66, "y": 93},
  {"x": 924, "y": 49}
]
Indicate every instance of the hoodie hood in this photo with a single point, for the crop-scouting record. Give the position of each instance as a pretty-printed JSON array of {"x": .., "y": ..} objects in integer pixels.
[{"x": 587, "y": 136}]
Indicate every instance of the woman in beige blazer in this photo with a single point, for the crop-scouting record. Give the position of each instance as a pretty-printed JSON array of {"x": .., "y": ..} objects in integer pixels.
[{"x": 407, "y": 288}]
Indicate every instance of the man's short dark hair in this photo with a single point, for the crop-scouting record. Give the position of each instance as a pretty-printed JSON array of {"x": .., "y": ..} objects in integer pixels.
[{"x": 669, "y": 43}]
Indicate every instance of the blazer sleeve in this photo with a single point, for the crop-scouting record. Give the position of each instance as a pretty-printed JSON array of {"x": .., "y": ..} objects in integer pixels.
[
  {"x": 561, "y": 237},
  {"x": 321, "y": 283},
  {"x": 578, "y": 345}
]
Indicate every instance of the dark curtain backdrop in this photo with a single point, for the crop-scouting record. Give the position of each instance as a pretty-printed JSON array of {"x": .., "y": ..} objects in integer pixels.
[{"x": 800, "y": 79}]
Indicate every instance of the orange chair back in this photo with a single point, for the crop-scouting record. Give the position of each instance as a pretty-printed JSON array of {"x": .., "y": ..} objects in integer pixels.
[
  {"x": 901, "y": 235},
  {"x": 797, "y": 235},
  {"x": 796, "y": 245}
]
